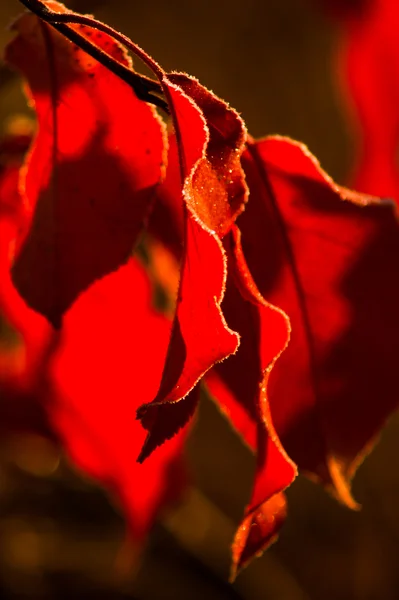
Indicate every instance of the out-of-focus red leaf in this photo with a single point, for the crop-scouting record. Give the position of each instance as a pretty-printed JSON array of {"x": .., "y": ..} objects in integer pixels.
[
  {"x": 328, "y": 257},
  {"x": 110, "y": 360},
  {"x": 20, "y": 375},
  {"x": 368, "y": 67},
  {"x": 84, "y": 388},
  {"x": 210, "y": 139},
  {"x": 91, "y": 174}
]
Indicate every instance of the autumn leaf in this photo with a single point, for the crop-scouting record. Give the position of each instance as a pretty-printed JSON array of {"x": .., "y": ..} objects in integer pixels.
[
  {"x": 265, "y": 333},
  {"x": 367, "y": 63},
  {"x": 92, "y": 170},
  {"x": 21, "y": 375},
  {"x": 328, "y": 258},
  {"x": 166, "y": 222},
  {"x": 106, "y": 365},
  {"x": 210, "y": 138}
]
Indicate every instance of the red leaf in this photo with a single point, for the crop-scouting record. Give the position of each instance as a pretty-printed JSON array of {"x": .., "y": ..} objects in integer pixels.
[
  {"x": 210, "y": 138},
  {"x": 110, "y": 359},
  {"x": 166, "y": 222},
  {"x": 332, "y": 259},
  {"x": 91, "y": 174},
  {"x": 368, "y": 64},
  {"x": 328, "y": 258},
  {"x": 257, "y": 531},
  {"x": 215, "y": 191},
  {"x": 264, "y": 331},
  {"x": 20, "y": 375}
]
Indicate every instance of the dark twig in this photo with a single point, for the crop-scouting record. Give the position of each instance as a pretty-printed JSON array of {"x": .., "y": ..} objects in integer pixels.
[{"x": 144, "y": 87}]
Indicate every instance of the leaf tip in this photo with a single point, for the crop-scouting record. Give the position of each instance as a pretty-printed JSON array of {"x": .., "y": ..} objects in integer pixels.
[
  {"x": 256, "y": 532},
  {"x": 341, "y": 483}
]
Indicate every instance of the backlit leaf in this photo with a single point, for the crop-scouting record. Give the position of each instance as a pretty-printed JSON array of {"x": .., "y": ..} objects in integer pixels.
[{"x": 92, "y": 170}]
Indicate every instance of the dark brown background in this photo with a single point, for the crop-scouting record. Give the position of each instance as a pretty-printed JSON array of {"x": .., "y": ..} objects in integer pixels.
[{"x": 59, "y": 535}]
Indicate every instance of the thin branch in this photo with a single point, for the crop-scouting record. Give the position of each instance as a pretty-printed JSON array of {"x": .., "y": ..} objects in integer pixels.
[{"x": 144, "y": 87}]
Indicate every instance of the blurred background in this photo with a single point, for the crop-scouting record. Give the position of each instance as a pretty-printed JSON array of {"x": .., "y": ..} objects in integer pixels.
[{"x": 60, "y": 535}]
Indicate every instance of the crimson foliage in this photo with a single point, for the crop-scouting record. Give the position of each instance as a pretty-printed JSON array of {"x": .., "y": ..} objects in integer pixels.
[{"x": 287, "y": 295}]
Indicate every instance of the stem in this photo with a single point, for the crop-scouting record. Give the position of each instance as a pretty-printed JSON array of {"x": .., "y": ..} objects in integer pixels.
[{"x": 144, "y": 87}]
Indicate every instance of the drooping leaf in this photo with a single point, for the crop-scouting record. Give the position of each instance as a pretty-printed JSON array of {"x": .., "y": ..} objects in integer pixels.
[
  {"x": 215, "y": 191},
  {"x": 327, "y": 257},
  {"x": 92, "y": 170},
  {"x": 110, "y": 359},
  {"x": 166, "y": 222},
  {"x": 21, "y": 375},
  {"x": 264, "y": 335},
  {"x": 264, "y": 331},
  {"x": 242, "y": 394},
  {"x": 82, "y": 387},
  {"x": 210, "y": 139}
]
